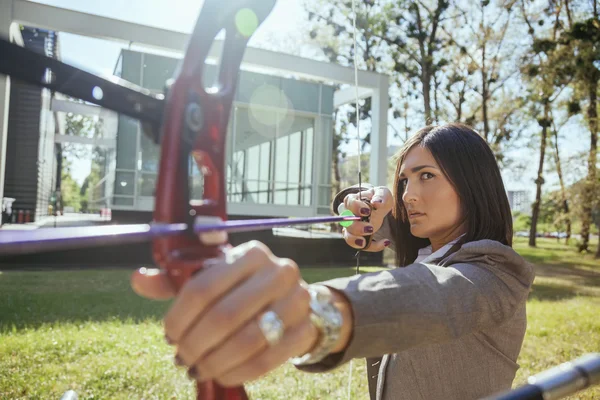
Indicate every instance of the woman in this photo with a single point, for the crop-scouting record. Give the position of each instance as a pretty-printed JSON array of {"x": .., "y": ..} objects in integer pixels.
[{"x": 448, "y": 324}]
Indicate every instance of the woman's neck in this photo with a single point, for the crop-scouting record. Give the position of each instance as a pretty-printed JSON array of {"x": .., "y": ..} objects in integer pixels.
[{"x": 439, "y": 242}]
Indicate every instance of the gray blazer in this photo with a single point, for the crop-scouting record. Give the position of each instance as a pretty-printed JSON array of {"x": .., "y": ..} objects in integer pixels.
[{"x": 451, "y": 330}]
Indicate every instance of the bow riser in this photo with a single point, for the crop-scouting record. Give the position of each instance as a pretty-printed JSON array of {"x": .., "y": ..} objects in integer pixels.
[{"x": 195, "y": 125}]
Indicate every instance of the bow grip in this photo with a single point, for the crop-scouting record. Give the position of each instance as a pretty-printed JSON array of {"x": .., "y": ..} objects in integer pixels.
[
  {"x": 195, "y": 125},
  {"x": 195, "y": 129}
]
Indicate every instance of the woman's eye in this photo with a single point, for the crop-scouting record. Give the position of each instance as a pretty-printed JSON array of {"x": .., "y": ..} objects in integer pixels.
[{"x": 427, "y": 175}]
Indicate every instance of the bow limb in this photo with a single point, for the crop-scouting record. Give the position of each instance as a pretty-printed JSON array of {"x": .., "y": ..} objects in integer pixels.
[{"x": 195, "y": 127}]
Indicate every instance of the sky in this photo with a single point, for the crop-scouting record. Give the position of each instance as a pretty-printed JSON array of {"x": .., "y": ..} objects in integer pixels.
[
  {"x": 100, "y": 56},
  {"x": 283, "y": 27}
]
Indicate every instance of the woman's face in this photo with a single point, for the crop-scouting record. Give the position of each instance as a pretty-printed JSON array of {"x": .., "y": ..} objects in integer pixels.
[{"x": 432, "y": 204}]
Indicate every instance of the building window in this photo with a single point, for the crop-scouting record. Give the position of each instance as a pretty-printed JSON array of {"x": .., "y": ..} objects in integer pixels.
[
  {"x": 270, "y": 165},
  {"x": 124, "y": 183},
  {"x": 278, "y": 143}
]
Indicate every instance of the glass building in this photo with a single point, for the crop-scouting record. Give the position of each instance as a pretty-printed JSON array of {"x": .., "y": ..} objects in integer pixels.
[{"x": 279, "y": 145}]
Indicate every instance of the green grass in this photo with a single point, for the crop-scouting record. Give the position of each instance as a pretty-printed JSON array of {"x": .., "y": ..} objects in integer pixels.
[{"x": 86, "y": 330}]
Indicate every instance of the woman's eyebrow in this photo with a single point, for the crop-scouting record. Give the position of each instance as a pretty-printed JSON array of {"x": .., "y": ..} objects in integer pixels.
[{"x": 418, "y": 168}]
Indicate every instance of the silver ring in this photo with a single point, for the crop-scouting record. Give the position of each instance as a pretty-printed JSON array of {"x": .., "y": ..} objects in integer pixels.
[{"x": 271, "y": 326}]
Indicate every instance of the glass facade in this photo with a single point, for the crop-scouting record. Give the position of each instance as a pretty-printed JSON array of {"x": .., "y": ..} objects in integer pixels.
[
  {"x": 269, "y": 166},
  {"x": 278, "y": 144}
]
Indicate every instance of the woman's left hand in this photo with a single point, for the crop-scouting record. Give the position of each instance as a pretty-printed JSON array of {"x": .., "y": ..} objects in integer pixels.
[{"x": 214, "y": 320}]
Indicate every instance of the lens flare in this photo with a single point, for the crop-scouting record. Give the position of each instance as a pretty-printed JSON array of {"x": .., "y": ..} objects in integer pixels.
[
  {"x": 268, "y": 122},
  {"x": 246, "y": 22}
]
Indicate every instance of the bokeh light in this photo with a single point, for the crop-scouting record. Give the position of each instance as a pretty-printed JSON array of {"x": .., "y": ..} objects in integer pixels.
[
  {"x": 246, "y": 22},
  {"x": 270, "y": 111}
]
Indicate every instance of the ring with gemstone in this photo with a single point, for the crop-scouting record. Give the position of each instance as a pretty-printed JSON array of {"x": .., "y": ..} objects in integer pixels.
[{"x": 271, "y": 327}]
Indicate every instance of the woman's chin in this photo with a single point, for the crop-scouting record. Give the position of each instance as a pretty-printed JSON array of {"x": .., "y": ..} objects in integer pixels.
[{"x": 417, "y": 231}]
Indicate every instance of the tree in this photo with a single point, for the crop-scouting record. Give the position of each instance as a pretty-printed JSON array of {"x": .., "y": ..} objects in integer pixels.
[
  {"x": 563, "y": 193},
  {"x": 91, "y": 181},
  {"x": 396, "y": 37},
  {"x": 546, "y": 83},
  {"x": 81, "y": 126},
  {"x": 414, "y": 37},
  {"x": 579, "y": 49},
  {"x": 333, "y": 32},
  {"x": 491, "y": 56},
  {"x": 70, "y": 190}
]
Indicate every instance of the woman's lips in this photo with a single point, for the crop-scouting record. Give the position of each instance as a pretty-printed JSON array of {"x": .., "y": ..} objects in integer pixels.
[{"x": 415, "y": 215}]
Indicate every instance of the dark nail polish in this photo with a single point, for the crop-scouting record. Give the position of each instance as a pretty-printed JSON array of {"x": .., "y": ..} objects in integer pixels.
[
  {"x": 365, "y": 211},
  {"x": 386, "y": 243},
  {"x": 193, "y": 373},
  {"x": 359, "y": 242},
  {"x": 178, "y": 361},
  {"x": 368, "y": 229}
]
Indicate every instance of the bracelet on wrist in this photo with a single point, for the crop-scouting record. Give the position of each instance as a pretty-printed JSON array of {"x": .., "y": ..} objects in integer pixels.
[{"x": 327, "y": 319}]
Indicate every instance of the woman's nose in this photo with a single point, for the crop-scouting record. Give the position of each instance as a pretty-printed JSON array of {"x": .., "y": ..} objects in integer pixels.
[{"x": 409, "y": 195}]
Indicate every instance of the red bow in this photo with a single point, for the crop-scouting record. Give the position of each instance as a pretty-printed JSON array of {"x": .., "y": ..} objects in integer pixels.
[{"x": 196, "y": 125}]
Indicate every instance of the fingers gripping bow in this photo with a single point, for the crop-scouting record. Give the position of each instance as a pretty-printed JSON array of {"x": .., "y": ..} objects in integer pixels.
[{"x": 195, "y": 125}]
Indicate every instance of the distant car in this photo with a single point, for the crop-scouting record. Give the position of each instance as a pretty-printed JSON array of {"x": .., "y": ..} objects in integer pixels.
[{"x": 522, "y": 234}]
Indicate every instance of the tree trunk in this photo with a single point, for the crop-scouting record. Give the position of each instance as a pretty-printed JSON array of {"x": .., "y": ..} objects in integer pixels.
[
  {"x": 540, "y": 179},
  {"x": 406, "y": 128},
  {"x": 568, "y": 13},
  {"x": 426, "y": 67},
  {"x": 597, "y": 256},
  {"x": 590, "y": 184},
  {"x": 435, "y": 99},
  {"x": 563, "y": 192},
  {"x": 461, "y": 101},
  {"x": 484, "y": 106},
  {"x": 426, "y": 82},
  {"x": 59, "y": 161},
  {"x": 484, "y": 86}
]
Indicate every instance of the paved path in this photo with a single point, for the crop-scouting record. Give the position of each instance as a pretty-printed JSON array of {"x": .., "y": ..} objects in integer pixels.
[{"x": 69, "y": 219}]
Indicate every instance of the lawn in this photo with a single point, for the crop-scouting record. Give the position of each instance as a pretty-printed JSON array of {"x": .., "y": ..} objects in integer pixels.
[{"x": 86, "y": 330}]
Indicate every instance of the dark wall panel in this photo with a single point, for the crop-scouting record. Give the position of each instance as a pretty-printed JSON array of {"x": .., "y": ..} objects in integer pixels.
[{"x": 21, "y": 179}]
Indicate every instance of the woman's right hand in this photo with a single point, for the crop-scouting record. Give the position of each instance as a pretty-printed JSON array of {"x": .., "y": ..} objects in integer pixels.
[{"x": 382, "y": 201}]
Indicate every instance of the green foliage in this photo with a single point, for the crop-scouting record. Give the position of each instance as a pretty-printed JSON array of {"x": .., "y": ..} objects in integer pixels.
[
  {"x": 521, "y": 222},
  {"x": 82, "y": 126},
  {"x": 89, "y": 127},
  {"x": 90, "y": 182},
  {"x": 70, "y": 189},
  {"x": 543, "y": 46}
]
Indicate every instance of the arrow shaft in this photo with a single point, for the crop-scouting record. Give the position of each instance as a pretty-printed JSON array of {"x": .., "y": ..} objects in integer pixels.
[{"x": 54, "y": 239}]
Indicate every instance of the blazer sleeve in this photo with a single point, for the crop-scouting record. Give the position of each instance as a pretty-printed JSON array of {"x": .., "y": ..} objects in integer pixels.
[{"x": 420, "y": 304}]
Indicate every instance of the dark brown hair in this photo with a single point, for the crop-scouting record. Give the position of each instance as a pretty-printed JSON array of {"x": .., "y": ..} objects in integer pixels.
[{"x": 469, "y": 164}]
